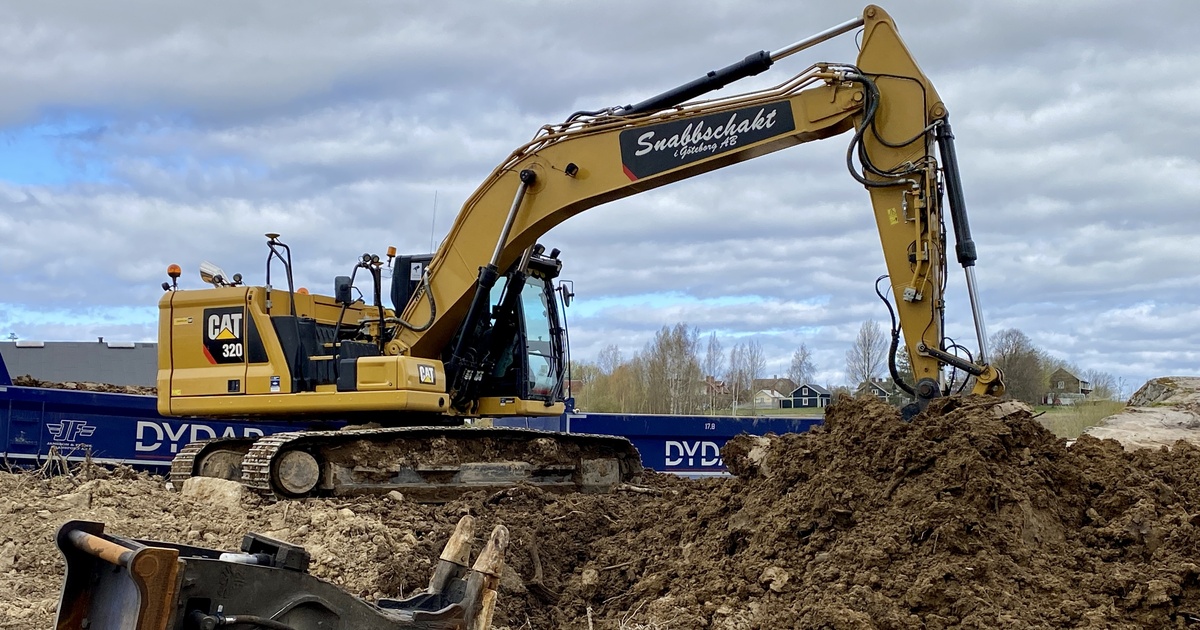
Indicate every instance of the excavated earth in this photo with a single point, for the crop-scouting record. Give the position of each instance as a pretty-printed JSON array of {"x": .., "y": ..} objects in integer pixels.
[
  {"x": 84, "y": 386},
  {"x": 971, "y": 516}
]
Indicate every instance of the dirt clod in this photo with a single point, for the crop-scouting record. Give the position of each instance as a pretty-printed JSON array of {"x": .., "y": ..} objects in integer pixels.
[{"x": 970, "y": 516}]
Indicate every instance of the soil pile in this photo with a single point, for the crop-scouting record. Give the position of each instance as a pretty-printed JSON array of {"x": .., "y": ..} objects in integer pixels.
[
  {"x": 971, "y": 516},
  {"x": 84, "y": 386}
]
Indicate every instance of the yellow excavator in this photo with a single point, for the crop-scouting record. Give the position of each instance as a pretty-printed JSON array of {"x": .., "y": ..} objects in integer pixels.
[
  {"x": 474, "y": 332},
  {"x": 474, "y": 328}
]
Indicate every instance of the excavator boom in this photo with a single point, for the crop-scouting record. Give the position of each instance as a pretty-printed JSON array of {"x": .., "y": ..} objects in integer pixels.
[{"x": 896, "y": 113}]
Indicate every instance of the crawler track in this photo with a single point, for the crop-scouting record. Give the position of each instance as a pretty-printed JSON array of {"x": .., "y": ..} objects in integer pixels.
[
  {"x": 427, "y": 464},
  {"x": 220, "y": 457}
]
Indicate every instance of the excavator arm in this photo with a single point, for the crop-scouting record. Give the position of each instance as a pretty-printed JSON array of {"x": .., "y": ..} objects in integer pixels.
[{"x": 593, "y": 158}]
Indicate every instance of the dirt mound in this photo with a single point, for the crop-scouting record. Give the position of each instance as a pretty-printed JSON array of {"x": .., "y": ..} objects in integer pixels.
[
  {"x": 29, "y": 381},
  {"x": 970, "y": 516}
]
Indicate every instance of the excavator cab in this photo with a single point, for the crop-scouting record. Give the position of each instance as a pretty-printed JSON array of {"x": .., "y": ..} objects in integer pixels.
[
  {"x": 531, "y": 365},
  {"x": 519, "y": 344}
]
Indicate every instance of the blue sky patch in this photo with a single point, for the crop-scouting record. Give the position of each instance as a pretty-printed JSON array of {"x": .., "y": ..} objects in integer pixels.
[{"x": 51, "y": 153}]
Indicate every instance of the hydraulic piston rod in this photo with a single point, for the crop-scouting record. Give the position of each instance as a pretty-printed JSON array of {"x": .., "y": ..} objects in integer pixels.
[
  {"x": 964, "y": 245},
  {"x": 463, "y": 367},
  {"x": 716, "y": 79},
  {"x": 809, "y": 42}
]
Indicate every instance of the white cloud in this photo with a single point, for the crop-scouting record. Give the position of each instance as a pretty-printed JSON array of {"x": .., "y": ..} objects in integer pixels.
[{"x": 336, "y": 125}]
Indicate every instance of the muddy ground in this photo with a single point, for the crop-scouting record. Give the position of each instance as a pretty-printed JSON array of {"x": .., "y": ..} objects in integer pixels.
[{"x": 971, "y": 516}]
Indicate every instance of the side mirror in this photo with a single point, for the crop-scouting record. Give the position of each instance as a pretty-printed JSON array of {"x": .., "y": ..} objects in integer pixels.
[
  {"x": 566, "y": 289},
  {"x": 341, "y": 290}
]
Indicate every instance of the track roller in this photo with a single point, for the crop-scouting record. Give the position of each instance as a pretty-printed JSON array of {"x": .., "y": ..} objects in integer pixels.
[{"x": 296, "y": 472}]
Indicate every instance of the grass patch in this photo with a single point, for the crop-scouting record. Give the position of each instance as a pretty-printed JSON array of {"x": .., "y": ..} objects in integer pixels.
[{"x": 1070, "y": 421}]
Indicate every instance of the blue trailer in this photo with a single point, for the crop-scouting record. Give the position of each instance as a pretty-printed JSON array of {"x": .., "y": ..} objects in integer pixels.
[
  {"x": 108, "y": 428},
  {"x": 127, "y": 429},
  {"x": 684, "y": 445}
]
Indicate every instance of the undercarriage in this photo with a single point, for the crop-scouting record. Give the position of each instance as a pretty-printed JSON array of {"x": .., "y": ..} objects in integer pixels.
[{"x": 426, "y": 464}]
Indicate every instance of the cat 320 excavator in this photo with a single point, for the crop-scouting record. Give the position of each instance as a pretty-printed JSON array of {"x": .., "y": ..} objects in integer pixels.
[
  {"x": 475, "y": 328},
  {"x": 475, "y": 332}
]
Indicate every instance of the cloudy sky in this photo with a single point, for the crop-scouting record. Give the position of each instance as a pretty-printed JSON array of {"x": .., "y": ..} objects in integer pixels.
[{"x": 136, "y": 134}]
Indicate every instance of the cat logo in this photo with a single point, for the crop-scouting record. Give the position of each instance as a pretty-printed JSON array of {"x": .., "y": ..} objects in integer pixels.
[
  {"x": 224, "y": 326},
  {"x": 223, "y": 335},
  {"x": 426, "y": 374}
]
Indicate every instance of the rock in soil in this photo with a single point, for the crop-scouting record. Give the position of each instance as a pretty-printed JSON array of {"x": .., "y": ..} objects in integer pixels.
[{"x": 970, "y": 516}]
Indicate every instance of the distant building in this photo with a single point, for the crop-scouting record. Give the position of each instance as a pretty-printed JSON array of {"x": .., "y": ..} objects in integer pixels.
[
  {"x": 768, "y": 399},
  {"x": 808, "y": 396},
  {"x": 872, "y": 388},
  {"x": 784, "y": 385},
  {"x": 1066, "y": 388},
  {"x": 112, "y": 362},
  {"x": 713, "y": 388}
]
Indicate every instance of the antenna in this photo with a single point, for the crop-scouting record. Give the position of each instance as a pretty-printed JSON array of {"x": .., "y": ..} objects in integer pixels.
[{"x": 433, "y": 221}]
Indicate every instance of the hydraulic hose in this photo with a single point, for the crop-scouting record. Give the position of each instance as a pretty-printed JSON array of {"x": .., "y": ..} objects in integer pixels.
[{"x": 895, "y": 347}]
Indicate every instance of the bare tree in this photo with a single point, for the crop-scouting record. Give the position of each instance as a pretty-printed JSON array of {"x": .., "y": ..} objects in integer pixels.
[
  {"x": 714, "y": 365},
  {"x": 629, "y": 388},
  {"x": 673, "y": 370},
  {"x": 609, "y": 359},
  {"x": 904, "y": 366},
  {"x": 1119, "y": 388},
  {"x": 802, "y": 368},
  {"x": 602, "y": 393},
  {"x": 1104, "y": 385},
  {"x": 904, "y": 373},
  {"x": 587, "y": 375},
  {"x": 735, "y": 375},
  {"x": 756, "y": 364},
  {"x": 1013, "y": 353},
  {"x": 867, "y": 358}
]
